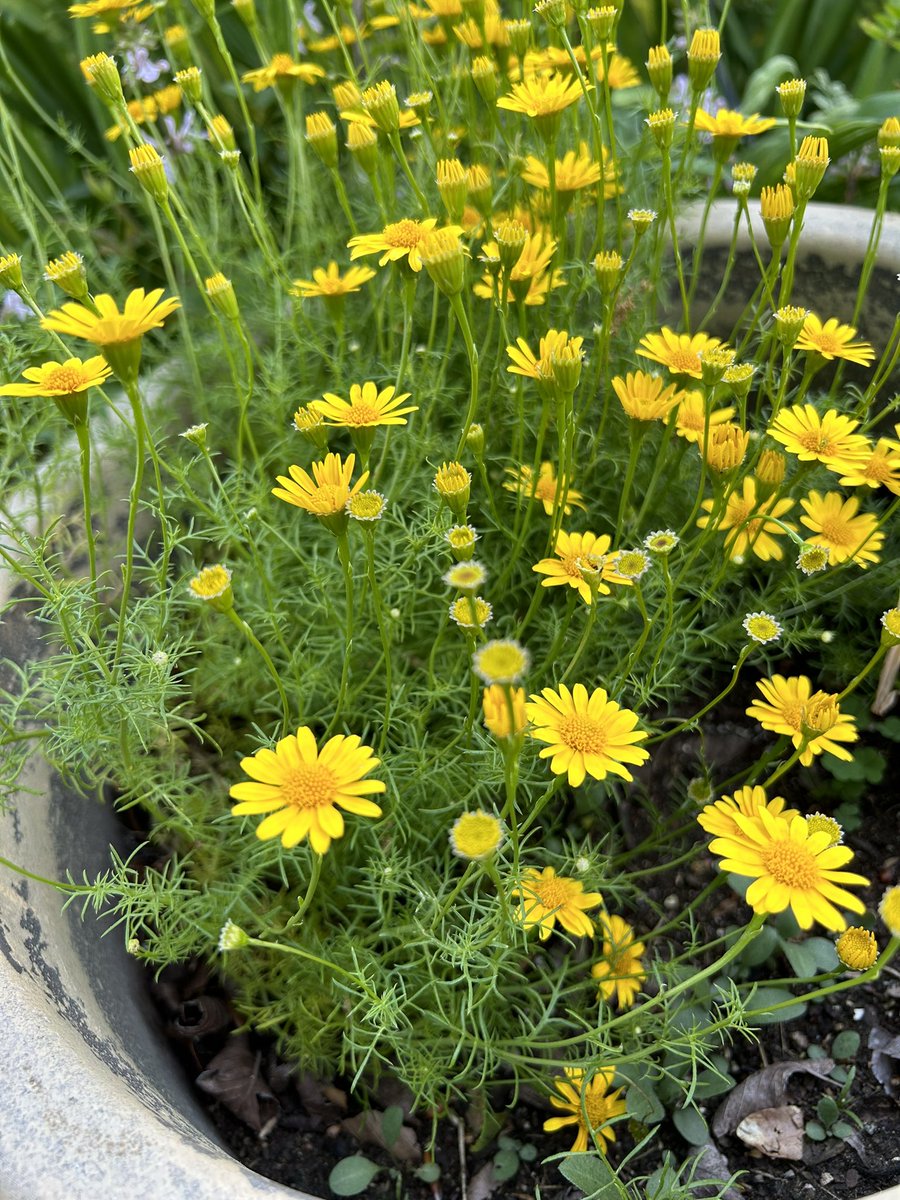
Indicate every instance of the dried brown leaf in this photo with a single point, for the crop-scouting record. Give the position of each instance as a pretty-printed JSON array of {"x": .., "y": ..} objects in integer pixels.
[
  {"x": 233, "y": 1078},
  {"x": 714, "y": 1165},
  {"x": 763, "y": 1089},
  {"x": 368, "y": 1127},
  {"x": 884, "y": 1060},
  {"x": 320, "y": 1099},
  {"x": 482, "y": 1183},
  {"x": 775, "y": 1132}
]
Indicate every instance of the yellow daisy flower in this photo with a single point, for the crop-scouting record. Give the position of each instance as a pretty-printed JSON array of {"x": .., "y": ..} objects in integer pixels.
[
  {"x": 574, "y": 171},
  {"x": 590, "y": 1106},
  {"x": 620, "y": 973},
  {"x": 746, "y": 525},
  {"x": 325, "y": 495},
  {"x": 543, "y": 98},
  {"x": 587, "y": 734},
  {"x": 643, "y": 396},
  {"x": 281, "y": 68},
  {"x": 574, "y": 552},
  {"x": 546, "y": 898},
  {"x": 302, "y": 788},
  {"x": 731, "y": 125},
  {"x": 621, "y": 73},
  {"x": 791, "y": 868},
  {"x": 329, "y": 282},
  {"x": 366, "y": 408},
  {"x": 504, "y": 710},
  {"x": 543, "y": 489},
  {"x": 690, "y": 420},
  {"x": 844, "y": 533},
  {"x": 877, "y": 466},
  {"x": 889, "y": 910},
  {"x": 60, "y": 379},
  {"x": 833, "y": 340},
  {"x": 397, "y": 241},
  {"x": 810, "y": 719},
  {"x": 143, "y": 311},
  {"x": 530, "y": 279},
  {"x": 476, "y": 835},
  {"x": 857, "y": 948},
  {"x": 816, "y": 438},
  {"x": 554, "y": 345},
  {"x": 718, "y": 818},
  {"x": 680, "y": 352}
]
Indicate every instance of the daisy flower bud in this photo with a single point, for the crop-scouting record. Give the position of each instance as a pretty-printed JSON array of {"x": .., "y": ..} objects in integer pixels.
[
  {"x": 321, "y": 133},
  {"x": 659, "y": 68},
  {"x": 703, "y": 58},
  {"x": 213, "y": 586},
  {"x": 792, "y": 93},
  {"x": 476, "y": 835},
  {"x": 857, "y": 948},
  {"x": 149, "y": 170},
  {"x": 68, "y": 273}
]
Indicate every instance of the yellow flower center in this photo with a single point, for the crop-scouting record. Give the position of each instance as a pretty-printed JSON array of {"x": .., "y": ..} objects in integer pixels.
[
  {"x": 549, "y": 893},
  {"x": 65, "y": 379},
  {"x": 684, "y": 361},
  {"x": 308, "y": 786},
  {"x": 817, "y": 442},
  {"x": 329, "y": 498},
  {"x": 281, "y": 63},
  {"x": 545, "y": 488},
  {"x": 839, "y": 532},
  {"x": 792, "y": 714},
  {"x": 403, "y": 233},
  {"x": 828, "y": 343},
  {"x": 476, "y": 834},
  {"x": 595, "y": 1107},
  {"x": 792, "y": 864},
  {"x": 582, "y": 733},
  {"x": 362, "y": 414},
  {"x": 570, "y": 565}
]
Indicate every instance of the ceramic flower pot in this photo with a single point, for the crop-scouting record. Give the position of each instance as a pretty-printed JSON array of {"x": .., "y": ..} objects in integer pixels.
[
  {"x": 832, "y": 247},
  {"x": 94, "y": 1102}
]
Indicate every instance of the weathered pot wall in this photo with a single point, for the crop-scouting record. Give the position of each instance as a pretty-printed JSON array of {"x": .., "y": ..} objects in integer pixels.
[{"x": 832, "y": 247}]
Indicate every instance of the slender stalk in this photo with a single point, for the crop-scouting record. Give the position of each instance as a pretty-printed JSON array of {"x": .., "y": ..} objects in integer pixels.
[
  {"x": 460, "y": 313},
  {"x": 369, "y": 536},
  {"x": 254, "y": 641},
  {"x": 84, "y": 445}
]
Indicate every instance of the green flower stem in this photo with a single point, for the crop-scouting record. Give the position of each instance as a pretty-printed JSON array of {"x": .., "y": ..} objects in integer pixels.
[
  {"x": 378, "y": 604},
  {"x": 637, "y": 649},
  {"x": 343, "y": 544},
  {"x": 872, "y": 248},
  {"x": 697, "y": 255},
  {"x": 784, "y": 767},
  {"x": 249, "y": 128},
  {"x": 670, "y": 214},
  {"x": 868, "y": 976},
  {"x": 265, "y": 944},
  {"x": 465, "y": 328},
  {"x": 474, "y": 687},
  {"x": 490, "y": 869},
  {"x": 343, "y": 200},
  {"x": 583, "y": 641},
  {"x": 394, "y": 139},
  {"x": 541, "y": 804},
  {"x": 611, "y": 135},
  {"x": 84, "y": 445},
  {"x": 726, "y": 275},
  {"x": 254, "y": 641},
  {"x": 559, "y": 640},
  {"x": 882, "y": 373},
  {"x": 448, "y": 903},
  {"x": 662, "y": 461},
  {"x": 510, "y": 749},
  {"x": 870, "y": 666},
  {"x": 787, "y": 275},
  {"x": 140, "y": 437},
  {"x": 691, "y": 721},
  {"x": 667, "y": 994},
  {"x": 679, "y": 921},
  {"x": 565, "y": 430},
  {"x": 303, "y": 905},
  {"x": 670, "y": 613},
  {"x": 637, "y": 431},
  {"x": 688, "y": 140}
]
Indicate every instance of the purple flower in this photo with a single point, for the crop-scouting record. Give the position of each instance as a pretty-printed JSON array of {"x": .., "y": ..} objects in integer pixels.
[
  {"x": 141, "y": 68},
  {"x": 13, "y": 308}
]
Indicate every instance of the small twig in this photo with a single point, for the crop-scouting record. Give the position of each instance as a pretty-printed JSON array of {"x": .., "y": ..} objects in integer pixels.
[{"x": 461, "y": 1146}]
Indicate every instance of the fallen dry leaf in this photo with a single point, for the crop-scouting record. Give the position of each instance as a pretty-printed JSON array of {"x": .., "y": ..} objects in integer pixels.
[
  {"x": 775, "y": 1132},
  {"x": 320, "y": 1099},
  {"x": 233, "y": 1078},
  {"x": 884, "y": 1060},
  {"x": 713, "y": 1164},
  {"x": 368, "y": 1127},
  {"x": 196, "y": 1018},
  {"x": 763, "y": 1089},
  {"x": 483, "y": 1183}
]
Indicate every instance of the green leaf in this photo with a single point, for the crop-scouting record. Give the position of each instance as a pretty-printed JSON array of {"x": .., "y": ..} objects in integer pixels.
[
  {"x": 890, "y": 728},
  {"x": 766, "y": 997},
  {"x": 761, "y": 84},
  {"x": 713, "y": 1083},
  {"x": 761, "y": 949},
  {"x": 815, "y": 1051},
  {"x": 815, "y": 1131},
  {"x": 391, "y": 1124},
  {"x": 643, "y": 1104},
  {"x": 840, "y": 1074},
  {"x": 841, "y": 1129},
  {"x": 826, "y": 955},
  {"x": 845, "y": 1046},
  {"x": 827, "y": 1111},
  {"x": 691, "y": 1125},
  {"x": 506, "y": 1164},
  {"x": 802, "y": 959},
  {"x": 428, "y": 1172},
  {"x": 352, "y": 1175},
  {"x": 592, "y": 1174},
  {"x": 528, "y": 1153}
]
